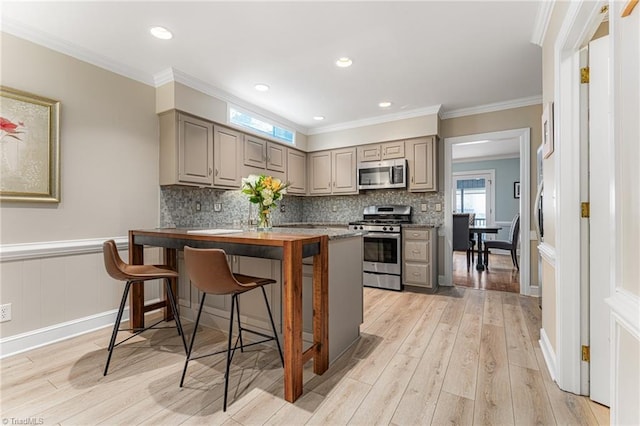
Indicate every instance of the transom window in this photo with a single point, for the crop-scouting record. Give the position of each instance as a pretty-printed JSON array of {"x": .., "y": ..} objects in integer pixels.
[{"x": 261, "y": 125}]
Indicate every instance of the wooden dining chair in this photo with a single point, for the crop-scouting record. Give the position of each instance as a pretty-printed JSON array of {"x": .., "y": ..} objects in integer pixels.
[
  {"x": 209, "y": 271},
  {"x": 136, "y": 274},
  {"x": 511, "y": 244}
]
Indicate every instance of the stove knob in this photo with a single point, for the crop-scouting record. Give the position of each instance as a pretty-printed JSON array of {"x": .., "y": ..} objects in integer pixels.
[
  {"x": 391, "y": 228},
  {"x": 361, "y": 228},
  {"x": 384, "y": 228}
]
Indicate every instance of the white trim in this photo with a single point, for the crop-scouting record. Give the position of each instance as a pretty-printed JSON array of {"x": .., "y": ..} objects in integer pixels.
[
  {"x": 12, "y": 252},
  {"x": 13, "y": 345},
  {"x": 483, "y": 158},
  {"x": 37, "y": 36},
  {"x": 523, "y": 135},
  {"x": 577, "y": 28},
  {"x": 418, "y": 112},
  {"x": 624, "y": 310},
  {"x": 548, "y": 354},
  {"x": 548, "y": 253},
  {"x": 497, "y": 106},
  {"x": 543, "y": 17}
]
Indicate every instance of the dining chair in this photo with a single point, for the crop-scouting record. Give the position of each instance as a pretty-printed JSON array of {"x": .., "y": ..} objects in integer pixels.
[
  {"x": 209, "y": 271},
  {"x": 460, "y": 239},
  {"x": 136, "y": 275},
  {"x": 511, "y": 244}
]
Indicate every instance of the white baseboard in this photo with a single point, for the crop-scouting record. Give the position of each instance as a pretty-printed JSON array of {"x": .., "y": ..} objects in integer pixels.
[
  {"x": 548, "y": 353},
  {"x": 19, "y": 343}
]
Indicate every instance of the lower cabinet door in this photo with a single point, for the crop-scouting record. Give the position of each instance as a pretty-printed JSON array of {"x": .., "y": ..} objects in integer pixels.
[{"x": 418, "y": 274}]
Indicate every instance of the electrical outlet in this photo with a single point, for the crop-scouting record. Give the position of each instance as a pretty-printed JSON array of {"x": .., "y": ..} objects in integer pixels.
[
  {"x": 423, "y": 207},
  {"x": 217, "y": 207},
  {"x": 198, "y": 206},
  {"x": 438, "y": 207},
  {"x": 282, "y": 209},
  {"x": 5, "y": 312},
  {"x": 334, "y": 208}
]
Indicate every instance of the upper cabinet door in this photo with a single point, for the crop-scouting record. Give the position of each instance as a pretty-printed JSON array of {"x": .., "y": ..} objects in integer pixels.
[
  {"x": 255, "y": 152},
  {"x": 276, "y": 157},
  {"x": 319, "y": 172},
  {"x": 296, "y": 171},
  {"x": 368, "y": 153},
  {"x": 344, "y": 171},
  {"x": 227, "y": 146},
  {"x": 422, "y": 161},
  {"x": 195, "y": 150},
  {"x": 392, "y": 150}
]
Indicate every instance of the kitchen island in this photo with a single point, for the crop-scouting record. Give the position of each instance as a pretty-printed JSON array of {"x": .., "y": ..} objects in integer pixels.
[{"x": 330, "y": 276}]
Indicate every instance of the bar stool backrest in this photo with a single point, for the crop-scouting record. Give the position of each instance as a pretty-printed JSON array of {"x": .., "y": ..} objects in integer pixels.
[
  {"x": 209, "y": 271},
  {"x": 113, "y": 263}
]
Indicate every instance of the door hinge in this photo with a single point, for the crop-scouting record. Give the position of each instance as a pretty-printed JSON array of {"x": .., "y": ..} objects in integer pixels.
[
  {"x": 585, "y": 210},
  {"x": 586, "y": 356},
  {"x": 584, "y": 75}
]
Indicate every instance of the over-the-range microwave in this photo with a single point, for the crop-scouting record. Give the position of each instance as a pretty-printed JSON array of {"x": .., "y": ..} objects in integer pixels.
[{"x": 382, "y": 174}]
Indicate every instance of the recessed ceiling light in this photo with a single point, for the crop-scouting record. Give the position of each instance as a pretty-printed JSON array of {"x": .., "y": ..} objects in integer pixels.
[
  {"x": 261, "y": 87},
  {"x": 161, "y": 33},
  {"x": 385, "y": 104},
  {"x": 344, "y": 62},
  {"x": 318, "y": 117}
]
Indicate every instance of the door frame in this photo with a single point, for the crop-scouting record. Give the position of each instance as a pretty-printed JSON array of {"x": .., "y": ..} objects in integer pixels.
[{"x": 523, "y": 136}]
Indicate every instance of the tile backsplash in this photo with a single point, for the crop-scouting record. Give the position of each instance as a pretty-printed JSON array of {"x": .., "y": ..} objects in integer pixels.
[{"x": 178, "y": 207}]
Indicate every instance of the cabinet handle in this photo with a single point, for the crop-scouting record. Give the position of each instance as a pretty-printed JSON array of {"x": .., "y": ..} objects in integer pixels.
[
  {"x": 216, "y": 172},
  {"x": 415, "y": 234},
  {"x": 416, "y": 274},
  {"x": 411, "y": 179},
  {"x": 415, "y": 251},
  {"x": 210, "y": 171}
]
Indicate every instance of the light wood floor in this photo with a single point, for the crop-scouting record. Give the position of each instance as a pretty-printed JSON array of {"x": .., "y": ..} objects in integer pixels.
[
  {"x": 462, "y": 356},
  {"x": 501, "y": 275}
]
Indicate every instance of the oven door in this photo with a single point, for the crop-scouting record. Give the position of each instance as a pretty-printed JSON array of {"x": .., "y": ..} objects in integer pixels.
[{"x": 382, "y": 253}]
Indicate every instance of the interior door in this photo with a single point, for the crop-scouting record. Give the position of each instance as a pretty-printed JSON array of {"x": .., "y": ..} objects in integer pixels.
[
  {"x": 473, "y": 193},
  {"x": 600, "y": 220}
]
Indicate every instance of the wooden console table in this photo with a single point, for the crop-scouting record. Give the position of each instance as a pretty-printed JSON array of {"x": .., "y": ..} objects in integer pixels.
[{"x": 290, "y": 249}]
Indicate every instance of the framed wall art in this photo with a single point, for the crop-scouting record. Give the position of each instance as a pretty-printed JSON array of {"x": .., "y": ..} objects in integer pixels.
[
  {"x": 29, "y": 147},
  {"x": 547, "y": 130},
  {"x": 516, "y": 189}
]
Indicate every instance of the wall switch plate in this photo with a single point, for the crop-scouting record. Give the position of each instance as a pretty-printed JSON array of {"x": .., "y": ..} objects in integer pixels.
[
  {"x": 198, "y": 206},
  {"x": 282, "y": 209},
  {"x": 5, "y": 312},
  {"x": 438, "y": 207},
  {"x": 423, "y": 207},
  {"x": 334, "y": 208},
  {"x": 217, "y": 207}
]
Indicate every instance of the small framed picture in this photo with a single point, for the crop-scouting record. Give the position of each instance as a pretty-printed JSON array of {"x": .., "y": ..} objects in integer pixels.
[
  {"x": 547, "y": 130},
  {"x": 516, "y": 189}
]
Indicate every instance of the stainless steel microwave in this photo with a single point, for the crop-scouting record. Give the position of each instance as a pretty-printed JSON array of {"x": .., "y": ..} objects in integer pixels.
[{"x": 382, "y": 174}]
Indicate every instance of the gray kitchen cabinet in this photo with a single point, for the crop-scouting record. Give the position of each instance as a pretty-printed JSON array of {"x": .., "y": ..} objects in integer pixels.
[
  {"x": 381, "y": 151},
  {"x": 263, "y": 154},
  {"x": 186, "y": 150},
  {"x": 419, "y": 265},
  {"x": 333, "y": 172},
  {"x": 296, "y": 171},
  {"x": 422, "y": 164},
  {"x": 227, "y": 155}
]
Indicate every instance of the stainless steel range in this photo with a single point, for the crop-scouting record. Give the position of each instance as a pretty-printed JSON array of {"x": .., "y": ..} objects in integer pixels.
[{"x": 382, "y": 264}]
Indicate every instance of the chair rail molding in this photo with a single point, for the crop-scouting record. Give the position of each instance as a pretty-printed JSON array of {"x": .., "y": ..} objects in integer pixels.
[{"x": 39, "y": 250}]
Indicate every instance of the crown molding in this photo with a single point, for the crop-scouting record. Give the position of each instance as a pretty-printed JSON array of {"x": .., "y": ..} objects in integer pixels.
[
  {"x": 543, "y": 17},
  {"x": 498, "y": 106},
  {"x": 41, "y": 38},
  {"x": 419, "y": 112},
  {"x": 485, "y": 158}
]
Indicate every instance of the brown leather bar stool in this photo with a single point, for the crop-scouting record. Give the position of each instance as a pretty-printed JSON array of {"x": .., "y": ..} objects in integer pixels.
[
  {"x": 210, "y": 273},
  {"x": 122, "y": 271}
]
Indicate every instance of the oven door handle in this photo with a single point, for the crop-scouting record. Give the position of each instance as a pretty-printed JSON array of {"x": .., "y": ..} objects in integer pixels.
[{"x": 383, "y": 235}]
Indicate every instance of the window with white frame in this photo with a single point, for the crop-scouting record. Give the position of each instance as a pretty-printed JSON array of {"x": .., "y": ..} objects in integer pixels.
[{"x": 261, "y": 125}]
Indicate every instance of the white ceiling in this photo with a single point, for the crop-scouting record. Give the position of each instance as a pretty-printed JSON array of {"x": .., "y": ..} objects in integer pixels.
[
  {"x": 487, "y": 149},
  {"x": 420, "y": 55}
]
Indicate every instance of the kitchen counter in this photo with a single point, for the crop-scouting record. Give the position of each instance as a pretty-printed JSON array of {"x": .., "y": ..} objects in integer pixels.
[{"x": 419, "y": 225}]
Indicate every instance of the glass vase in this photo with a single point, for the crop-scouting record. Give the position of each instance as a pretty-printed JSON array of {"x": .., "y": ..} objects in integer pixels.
[{"x": 264, "y": 220}]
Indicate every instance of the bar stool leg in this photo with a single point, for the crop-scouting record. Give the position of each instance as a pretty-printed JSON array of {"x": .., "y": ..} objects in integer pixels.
[
  {"x": 239, "y": 325},
  {"x": 226, "y": 376},
  {"x": 176, "y": 317},
  {"x": 193, "y": 339},
  {"x": 273, "y": 326},
  {"x": 116, "y": 326}
]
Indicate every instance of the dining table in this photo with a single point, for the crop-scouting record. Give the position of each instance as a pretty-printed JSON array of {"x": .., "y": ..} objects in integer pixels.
[
  {"x": 290, "y": 249},
  {"x": 480, "y": 231}
]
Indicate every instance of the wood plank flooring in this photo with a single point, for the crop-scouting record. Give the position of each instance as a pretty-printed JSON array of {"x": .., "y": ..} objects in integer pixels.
[
  {"x": 461, "y": 356},
  {"x": 501, "y": 275}
]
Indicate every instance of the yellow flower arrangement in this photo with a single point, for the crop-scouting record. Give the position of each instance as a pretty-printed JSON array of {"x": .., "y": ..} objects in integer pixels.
[{"x": 264, "y": 191}]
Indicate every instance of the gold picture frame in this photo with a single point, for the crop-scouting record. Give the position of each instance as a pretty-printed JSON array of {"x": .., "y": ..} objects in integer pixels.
[
  {"x": 29, "y": 147},
  {"x": 547, "y": 130}
]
